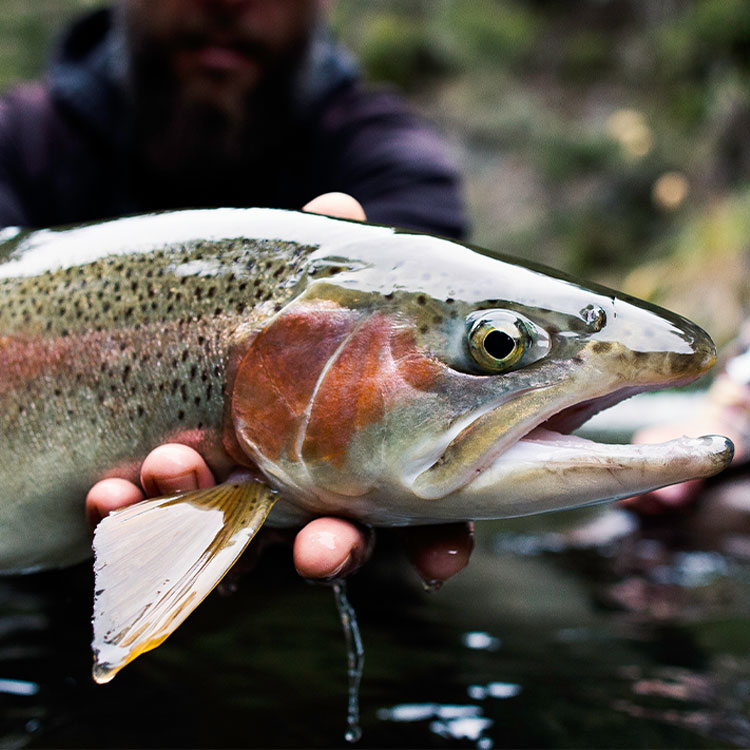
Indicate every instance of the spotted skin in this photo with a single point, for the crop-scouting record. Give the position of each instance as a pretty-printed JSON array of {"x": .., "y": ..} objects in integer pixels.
[{"x": 103, "y": 362}]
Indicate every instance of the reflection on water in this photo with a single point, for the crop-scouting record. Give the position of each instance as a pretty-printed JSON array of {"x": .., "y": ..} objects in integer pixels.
[{"x": 574, "y": 630}]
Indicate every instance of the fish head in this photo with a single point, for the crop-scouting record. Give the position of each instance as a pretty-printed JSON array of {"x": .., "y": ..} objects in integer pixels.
[{"x": 420, "y": 380}]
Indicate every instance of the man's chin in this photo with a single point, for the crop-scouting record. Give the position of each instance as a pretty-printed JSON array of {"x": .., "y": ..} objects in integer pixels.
[{"x": 217, "y": 77}]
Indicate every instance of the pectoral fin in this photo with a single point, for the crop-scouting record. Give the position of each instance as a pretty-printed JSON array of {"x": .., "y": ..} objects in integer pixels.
[{"x": 157, "y": 560}]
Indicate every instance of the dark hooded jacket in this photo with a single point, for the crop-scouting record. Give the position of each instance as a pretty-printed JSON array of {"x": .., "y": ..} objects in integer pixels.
[{"x": 66, "y": 152}]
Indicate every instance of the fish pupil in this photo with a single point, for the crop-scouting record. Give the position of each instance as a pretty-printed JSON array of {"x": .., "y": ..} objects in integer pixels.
[{"x": 499, "y": 344}]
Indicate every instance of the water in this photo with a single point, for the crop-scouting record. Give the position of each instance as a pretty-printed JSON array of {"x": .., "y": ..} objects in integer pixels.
[
  {"x": 568, "y": 630},
  {"x": 355, "y": 659}
]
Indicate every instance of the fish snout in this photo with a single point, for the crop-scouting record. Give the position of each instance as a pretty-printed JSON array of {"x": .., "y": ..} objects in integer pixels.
[
  {"x": 698, "y": 361},
  {"x": 656, "y": 348}
]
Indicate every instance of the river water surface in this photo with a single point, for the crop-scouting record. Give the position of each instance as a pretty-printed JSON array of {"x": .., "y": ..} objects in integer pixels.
[{"x": 577, "y": 630}]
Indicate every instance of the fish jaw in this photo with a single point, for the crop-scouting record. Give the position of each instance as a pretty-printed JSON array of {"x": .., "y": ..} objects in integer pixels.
[{"x": 547, "y": 471}]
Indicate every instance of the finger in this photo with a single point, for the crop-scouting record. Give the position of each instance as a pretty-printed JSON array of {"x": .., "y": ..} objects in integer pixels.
[
  {"x": 174, "y": 468},
  {"x": 109, "y": 495},
  {"x": 339, "y": 205},
  {"x": 439, "y": 552},
  {"x": 330, "y": 548}
]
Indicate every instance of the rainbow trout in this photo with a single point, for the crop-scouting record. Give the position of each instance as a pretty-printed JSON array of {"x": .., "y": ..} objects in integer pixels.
[{"x": 355, "y": 370}]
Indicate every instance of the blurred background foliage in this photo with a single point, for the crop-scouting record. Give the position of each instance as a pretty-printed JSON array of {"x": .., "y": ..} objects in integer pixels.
[{"x": 609, "y": 138}]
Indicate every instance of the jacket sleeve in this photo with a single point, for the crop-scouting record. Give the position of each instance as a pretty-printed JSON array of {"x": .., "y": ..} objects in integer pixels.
[
  {"x": 12, "y": 210},
  {"x": 394, "y": 163}
]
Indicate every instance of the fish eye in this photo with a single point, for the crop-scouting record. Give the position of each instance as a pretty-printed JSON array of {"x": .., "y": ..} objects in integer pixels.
[{"x": 498, "y": 339}]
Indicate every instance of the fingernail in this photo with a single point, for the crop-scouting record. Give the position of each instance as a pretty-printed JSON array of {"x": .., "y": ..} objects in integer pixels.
[
  {"x": 179, "y": 483},
  {"x": 343, "y": 569}
]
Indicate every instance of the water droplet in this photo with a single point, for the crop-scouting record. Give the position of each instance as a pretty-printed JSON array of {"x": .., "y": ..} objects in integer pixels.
[{"x": 432, "y": 586}]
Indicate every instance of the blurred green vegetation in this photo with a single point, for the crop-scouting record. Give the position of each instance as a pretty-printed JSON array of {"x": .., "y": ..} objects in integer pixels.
[
  {"x": 605, "y": 137},
  {"x": 27, "y": 32},
  {"x": 594, "y": 135}
]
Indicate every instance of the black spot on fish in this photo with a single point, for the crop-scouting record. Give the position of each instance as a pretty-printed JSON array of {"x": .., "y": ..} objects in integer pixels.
[{"x": 600, "y": 347}]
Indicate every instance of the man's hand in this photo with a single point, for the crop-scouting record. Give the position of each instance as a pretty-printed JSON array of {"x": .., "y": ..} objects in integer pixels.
[{"x": 326, "y": 547}]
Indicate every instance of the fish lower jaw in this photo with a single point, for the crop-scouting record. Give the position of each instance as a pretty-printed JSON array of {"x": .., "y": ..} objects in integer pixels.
[{"x": 548, "y": 470}]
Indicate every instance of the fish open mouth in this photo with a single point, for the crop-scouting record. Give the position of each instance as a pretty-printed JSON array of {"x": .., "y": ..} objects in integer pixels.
[
  {"x": 549, "y": 468},
  {"x": 541, "y": 466}
]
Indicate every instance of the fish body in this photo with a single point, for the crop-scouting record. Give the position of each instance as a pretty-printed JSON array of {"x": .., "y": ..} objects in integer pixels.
[{"x": 358, "y": 370}]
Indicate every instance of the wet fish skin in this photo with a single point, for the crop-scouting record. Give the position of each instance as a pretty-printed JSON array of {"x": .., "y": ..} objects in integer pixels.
[
  {"x": 104, "y": 361},
  {"x": 328, "y": 356}
]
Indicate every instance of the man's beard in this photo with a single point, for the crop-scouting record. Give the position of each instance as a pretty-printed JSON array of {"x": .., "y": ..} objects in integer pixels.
[{"x": 195, "y": 145}]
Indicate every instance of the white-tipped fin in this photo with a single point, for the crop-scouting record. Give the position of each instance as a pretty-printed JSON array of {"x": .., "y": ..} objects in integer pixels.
[{"x": 158, "y": 559}]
